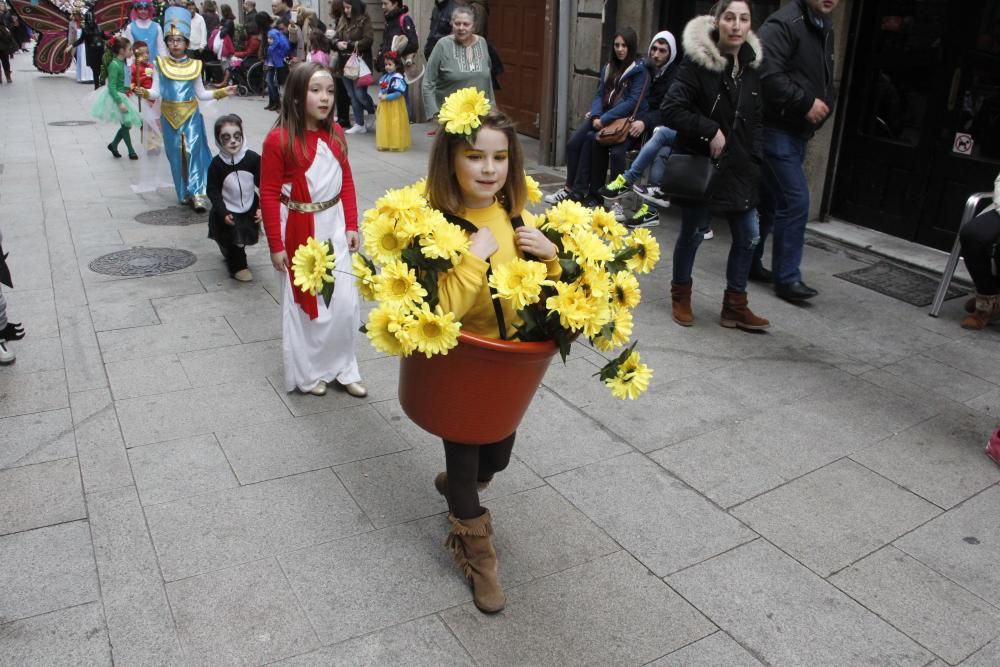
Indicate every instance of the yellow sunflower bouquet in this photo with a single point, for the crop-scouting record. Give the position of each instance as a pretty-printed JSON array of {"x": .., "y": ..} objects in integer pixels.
[
  {"x": 313, "y": 267},
  {"x": 408, "y": 245}
]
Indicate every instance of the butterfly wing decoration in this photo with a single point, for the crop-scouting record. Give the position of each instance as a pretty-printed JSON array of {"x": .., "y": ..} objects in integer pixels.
[
  {"x": 52, "y": 26},
  {"x": 111, "y": 15}
]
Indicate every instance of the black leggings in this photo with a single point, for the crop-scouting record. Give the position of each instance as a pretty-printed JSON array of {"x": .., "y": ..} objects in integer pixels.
[
  {"x": 979, "y": 236},
  {"x": 469, "y": 464},
  {"x": 5, "y": 62}
]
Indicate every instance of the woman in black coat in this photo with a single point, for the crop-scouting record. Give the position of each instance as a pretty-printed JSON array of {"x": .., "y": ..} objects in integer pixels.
[{"x": 715, "y": 105}]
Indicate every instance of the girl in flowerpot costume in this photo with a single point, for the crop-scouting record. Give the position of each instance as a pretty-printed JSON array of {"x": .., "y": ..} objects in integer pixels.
[
  {"x": 177, "y": 83},
  {"x": 479, "y": 178}
]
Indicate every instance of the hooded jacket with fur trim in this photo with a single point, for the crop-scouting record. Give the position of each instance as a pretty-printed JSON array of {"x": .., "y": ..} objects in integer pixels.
[{"x": 707, "y": 96}]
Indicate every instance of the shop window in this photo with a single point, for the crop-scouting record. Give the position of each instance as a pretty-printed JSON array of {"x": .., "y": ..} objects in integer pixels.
[{"x": 974, "y": 100}]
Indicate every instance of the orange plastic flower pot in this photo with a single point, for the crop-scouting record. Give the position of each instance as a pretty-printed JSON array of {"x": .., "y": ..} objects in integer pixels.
[{"x": 476, "y": 394}]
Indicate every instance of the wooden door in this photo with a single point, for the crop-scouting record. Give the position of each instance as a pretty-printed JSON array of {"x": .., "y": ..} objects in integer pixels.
[{"x": 517, "y": 32}]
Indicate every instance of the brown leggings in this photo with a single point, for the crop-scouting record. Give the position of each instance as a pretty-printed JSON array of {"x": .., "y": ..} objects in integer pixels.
[{"x": 469, "y": 464}]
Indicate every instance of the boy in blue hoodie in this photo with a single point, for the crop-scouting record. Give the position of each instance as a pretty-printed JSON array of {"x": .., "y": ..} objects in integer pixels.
[{"x": 277, "y": 50}]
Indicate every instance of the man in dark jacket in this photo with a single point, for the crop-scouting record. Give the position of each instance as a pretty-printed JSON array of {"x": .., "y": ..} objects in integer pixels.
[
  {"x": 797, "y": 82},
  {"x": 440, "y": 24}
]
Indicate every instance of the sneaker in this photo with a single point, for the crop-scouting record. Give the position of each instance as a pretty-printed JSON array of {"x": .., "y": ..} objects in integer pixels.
[
  {"x": 243, "y": 275},
  {"x": 652, "y": 194},
  {"x": 356, "y": 129},
  {"x": 6, "y": 355},
  {"x": 709, "y": 235},
  {"x": 616, "y": 189},
  {"x": 644, "y": 217},
  {"x": 617, "y": 211},
  {"x": 562, "y": 194}
]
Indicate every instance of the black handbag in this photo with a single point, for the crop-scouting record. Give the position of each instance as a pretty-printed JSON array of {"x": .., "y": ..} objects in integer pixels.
[{"x": 689, "y": 176}]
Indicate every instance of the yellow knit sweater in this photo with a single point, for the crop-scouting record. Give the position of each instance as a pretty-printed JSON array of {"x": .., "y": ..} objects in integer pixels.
[{"x": 464, "y": 290}]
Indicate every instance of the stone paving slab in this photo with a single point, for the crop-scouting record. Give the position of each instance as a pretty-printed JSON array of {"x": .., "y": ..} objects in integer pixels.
[
  {"x": 99, "y": 443},
  {"x": 936, "y": 612},
  {"x": 46, "y": 569},
  {"x": 963, "y": 544},
  {"x": 712, "y": 651},
  {"x": 64, "y": 638},
  {"x": 179, "y": 469},
  {"x": 247, "y": 523},
  {"x": 657, "y": 518},
  {"x": 784, "y": 614},
  {"x": 146, "y": 377},
  {"x": 425, "y": 642},
  {"x": 40, "y": 495},
  {"x": 170, "y": 338},
  {"x": 243, "y": 615},
  {"x": 139, "y": 620},
  {"x": 831, "y": 517},
  {"x": 36, "y": 438},
  {"x": 32, "y": 392},
  {"x": 609, "y": 611}
]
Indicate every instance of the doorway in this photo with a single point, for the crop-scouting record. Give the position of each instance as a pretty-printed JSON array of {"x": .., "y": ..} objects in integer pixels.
[
  {"x": 517, "y": 32},
  {"x": 922, "y": 123}
]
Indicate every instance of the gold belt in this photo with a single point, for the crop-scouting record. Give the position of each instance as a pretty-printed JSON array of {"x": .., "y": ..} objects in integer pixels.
[
  {"x": 178, "y": 112},
  {"x": 308, "y": 207}
]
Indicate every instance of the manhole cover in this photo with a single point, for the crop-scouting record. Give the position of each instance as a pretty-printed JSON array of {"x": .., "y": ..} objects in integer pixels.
[
  {"x": 175, "y": 215},
  {"x": 897, "y": 282},
  {"x": 143, "y": 262},
  {"x": 71, "y": 123}
]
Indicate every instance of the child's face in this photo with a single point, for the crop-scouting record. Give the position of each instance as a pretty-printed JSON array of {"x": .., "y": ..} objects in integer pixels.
[
  {"x": 319, "y": 96},
  {"x": 390, "y": 66},
  {"x": 481, "y": 169},
  {"x": 177, "y": 46},
  {"x": 230, "y": 139},
  {"x": 125, "y": 53},
  {"x": 141, "y": 54}
]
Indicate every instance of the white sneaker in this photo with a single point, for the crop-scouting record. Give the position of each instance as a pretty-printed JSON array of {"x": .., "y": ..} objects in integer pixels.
[
  {"x": 6, "y": 355},
  {"x": 617, "y": 211},
  {"x": 709, "y": 235},
  {"x": 559, "y": 195},
  {"x": 356, "y": 129}
]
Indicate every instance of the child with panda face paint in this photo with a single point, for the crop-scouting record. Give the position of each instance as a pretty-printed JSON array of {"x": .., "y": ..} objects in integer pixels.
[{"x": 233, "y": 180}]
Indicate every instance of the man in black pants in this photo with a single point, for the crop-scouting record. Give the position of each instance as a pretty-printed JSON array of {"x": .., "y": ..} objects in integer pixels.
[{"x": 980, "y": 238}]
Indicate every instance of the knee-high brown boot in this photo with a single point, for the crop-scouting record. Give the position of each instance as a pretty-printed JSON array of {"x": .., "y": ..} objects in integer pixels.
[{"x": 471, "y": 546}]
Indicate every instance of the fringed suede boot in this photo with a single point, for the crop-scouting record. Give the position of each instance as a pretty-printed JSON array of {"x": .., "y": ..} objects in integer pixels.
[
  {"x": 987, "y": 310},
  {"x": 471, "y": 546}
]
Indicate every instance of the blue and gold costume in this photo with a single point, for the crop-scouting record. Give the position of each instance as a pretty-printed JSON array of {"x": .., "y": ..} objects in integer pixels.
[{"x": 178, "y": 86}]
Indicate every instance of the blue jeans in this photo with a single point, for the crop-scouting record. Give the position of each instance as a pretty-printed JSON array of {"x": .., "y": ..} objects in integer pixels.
[
  {"x": 745, "y": 231},
  {"x": 361, "y": 101},
  {"x": 579, "y": 152},
  {"x": 784, "y": 204},
  {"x": 273, "y": 95},
  {"x": 655, "y": 151}
]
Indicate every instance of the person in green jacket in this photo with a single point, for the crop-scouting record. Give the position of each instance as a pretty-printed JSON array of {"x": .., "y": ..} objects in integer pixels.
[{"x": 113, "y": 103}]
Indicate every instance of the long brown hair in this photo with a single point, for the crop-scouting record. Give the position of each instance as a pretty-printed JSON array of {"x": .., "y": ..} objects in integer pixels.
[
  {"x": 443, "y": 191},
  {"x": 292, "y": 117}
]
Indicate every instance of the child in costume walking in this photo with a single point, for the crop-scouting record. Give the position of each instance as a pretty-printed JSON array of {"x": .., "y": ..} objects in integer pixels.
[
  {"x": 392, "y": 125},
  {"x": 307, "y": 191},
  {"x": 112, "y": 103},
  {"x": 233, "y": 179},
  {"x": 177, "y": 84},
  {"x": 8, "y": 330},
  {"x": 482, "y": 187}
]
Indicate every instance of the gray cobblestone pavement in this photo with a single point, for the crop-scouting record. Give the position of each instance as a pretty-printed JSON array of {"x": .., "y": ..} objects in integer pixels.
[{"x": 816, "y": 495}]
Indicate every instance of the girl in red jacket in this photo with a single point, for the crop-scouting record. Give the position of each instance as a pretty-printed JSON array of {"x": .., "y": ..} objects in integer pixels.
[{"x": 307, "y": 191}]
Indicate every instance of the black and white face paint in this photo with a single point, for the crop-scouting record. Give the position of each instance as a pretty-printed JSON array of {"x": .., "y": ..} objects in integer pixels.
[{"x": 230, "y": 139}]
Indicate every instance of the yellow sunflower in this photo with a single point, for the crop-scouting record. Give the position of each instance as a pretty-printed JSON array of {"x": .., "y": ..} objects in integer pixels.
[
  {"x": 587, "y": 246},
  {"x": 519, "y": 281},
  {"x": 621, "y": 331},
  {"x": 632, "y": 379},
  {"x": 608, "y": 228},
  {"x": 312, "y": 266},
  {"x": 463, "y": 111},
  {"x": 387, "y": 330},
  {"x": 397, "y": 284},
  {"x": 566, "y": 216},
  {"x": 384, "y": 243},
  {"x": 625, "y": 292},
  {"x": 648, "y": 251},
  {"x": 534, "y": 191},
  {"x": 403, "y": 206},
  {"x": 364, "y": 278},
  {"x": 578, "y": 311},
  {"x": 595, "y": 281},
  {"x": 444, "y": 241},
  {"x": 433, "y": 332}
]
